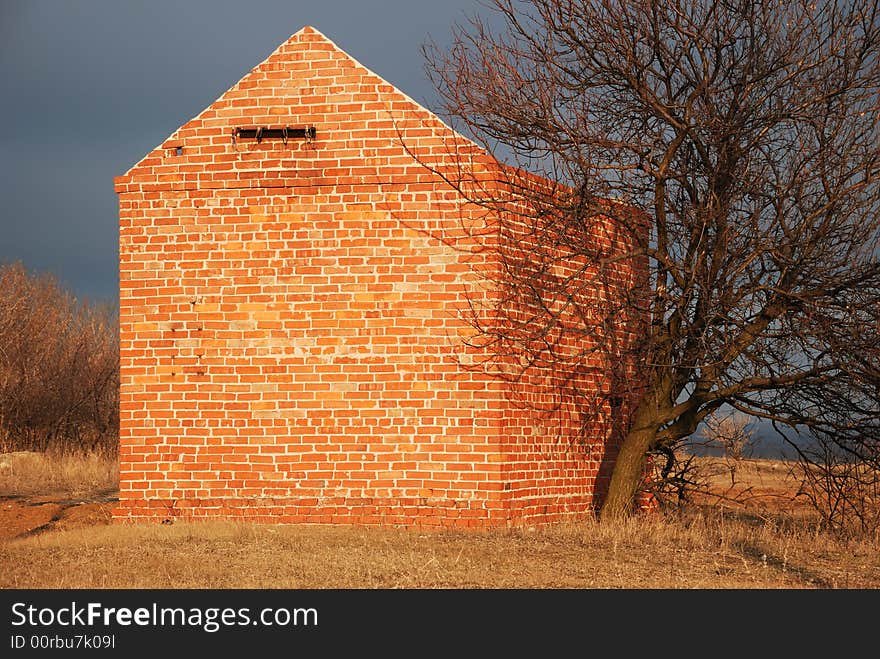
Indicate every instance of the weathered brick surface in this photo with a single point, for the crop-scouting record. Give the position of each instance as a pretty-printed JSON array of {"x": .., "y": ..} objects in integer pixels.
[{"x": 291, "y": 340}]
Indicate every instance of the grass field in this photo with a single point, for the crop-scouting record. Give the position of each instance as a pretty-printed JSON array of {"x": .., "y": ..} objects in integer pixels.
[{"x": 753, "y": 536}]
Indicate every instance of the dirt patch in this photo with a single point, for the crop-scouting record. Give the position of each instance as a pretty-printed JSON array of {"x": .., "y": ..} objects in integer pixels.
[
  {"x": 17, "y": 519},
  {"x": 23, "y": 517},
  {"x": 84, "y": 514}
]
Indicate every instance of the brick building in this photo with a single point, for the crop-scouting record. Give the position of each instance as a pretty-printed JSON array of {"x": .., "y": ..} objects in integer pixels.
[{"x": 291, "y": 338}]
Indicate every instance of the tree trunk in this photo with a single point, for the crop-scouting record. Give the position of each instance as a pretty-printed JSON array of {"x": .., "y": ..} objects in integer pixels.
[{"x": 628, "y": 472}]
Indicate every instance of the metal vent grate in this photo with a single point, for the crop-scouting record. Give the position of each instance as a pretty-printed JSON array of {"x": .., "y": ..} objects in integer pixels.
[{"x": 261, "y": 133}]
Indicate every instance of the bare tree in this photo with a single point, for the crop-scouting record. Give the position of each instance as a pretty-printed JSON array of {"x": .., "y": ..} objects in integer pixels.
[
  {"x": 747, "y": 133},
  {"x": 59, "y": 367},
  {"x": 732, "y": 433}
]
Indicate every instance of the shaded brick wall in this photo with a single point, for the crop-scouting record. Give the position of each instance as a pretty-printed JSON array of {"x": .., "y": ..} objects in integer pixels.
[{"x": 291, "y": 331}]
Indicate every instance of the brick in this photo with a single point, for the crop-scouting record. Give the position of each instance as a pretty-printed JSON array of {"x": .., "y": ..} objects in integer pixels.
[{"x": 291, "y": 347}]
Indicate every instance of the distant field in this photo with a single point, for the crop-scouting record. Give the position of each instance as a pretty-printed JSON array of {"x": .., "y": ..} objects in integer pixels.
[{"x": 753, "y": 537}]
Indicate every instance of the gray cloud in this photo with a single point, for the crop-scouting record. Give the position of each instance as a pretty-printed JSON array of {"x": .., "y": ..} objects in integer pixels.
[{"x": 91, "y": 86}]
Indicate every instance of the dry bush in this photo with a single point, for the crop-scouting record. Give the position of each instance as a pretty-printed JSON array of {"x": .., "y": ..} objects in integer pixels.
[
  {"x": 59, "y": 368},
  {"x": 676, "y": 475},
  {"x": 844, "y": 491}
]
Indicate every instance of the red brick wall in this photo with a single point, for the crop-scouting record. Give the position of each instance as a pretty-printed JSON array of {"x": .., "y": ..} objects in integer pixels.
[
  {"x": 291, "y": 339},
  {"x": 564, "y": 332}
]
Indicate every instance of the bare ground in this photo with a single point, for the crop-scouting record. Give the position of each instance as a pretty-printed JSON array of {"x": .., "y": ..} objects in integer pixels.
[{"x": 27, "y": 517}]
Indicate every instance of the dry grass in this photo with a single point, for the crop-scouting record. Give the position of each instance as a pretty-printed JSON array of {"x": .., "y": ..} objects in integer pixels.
[
  {"x": 757, "y": 485},
  {"x": 688, "y": 551},
  {"x": 745, "y": 542},
  {"x": 27, "y": 474}
]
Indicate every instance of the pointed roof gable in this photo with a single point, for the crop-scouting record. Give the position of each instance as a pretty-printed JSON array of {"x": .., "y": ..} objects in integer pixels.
[{"x": 307, "y": 81}]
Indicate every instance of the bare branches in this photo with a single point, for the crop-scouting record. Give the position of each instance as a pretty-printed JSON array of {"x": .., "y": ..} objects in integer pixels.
[
  {"x": 749, "y": 134},
  {"x": 59, "y": 375}
]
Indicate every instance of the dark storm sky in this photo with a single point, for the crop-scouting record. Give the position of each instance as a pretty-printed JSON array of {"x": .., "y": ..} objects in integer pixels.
[{"x": 90, "y": 86}]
